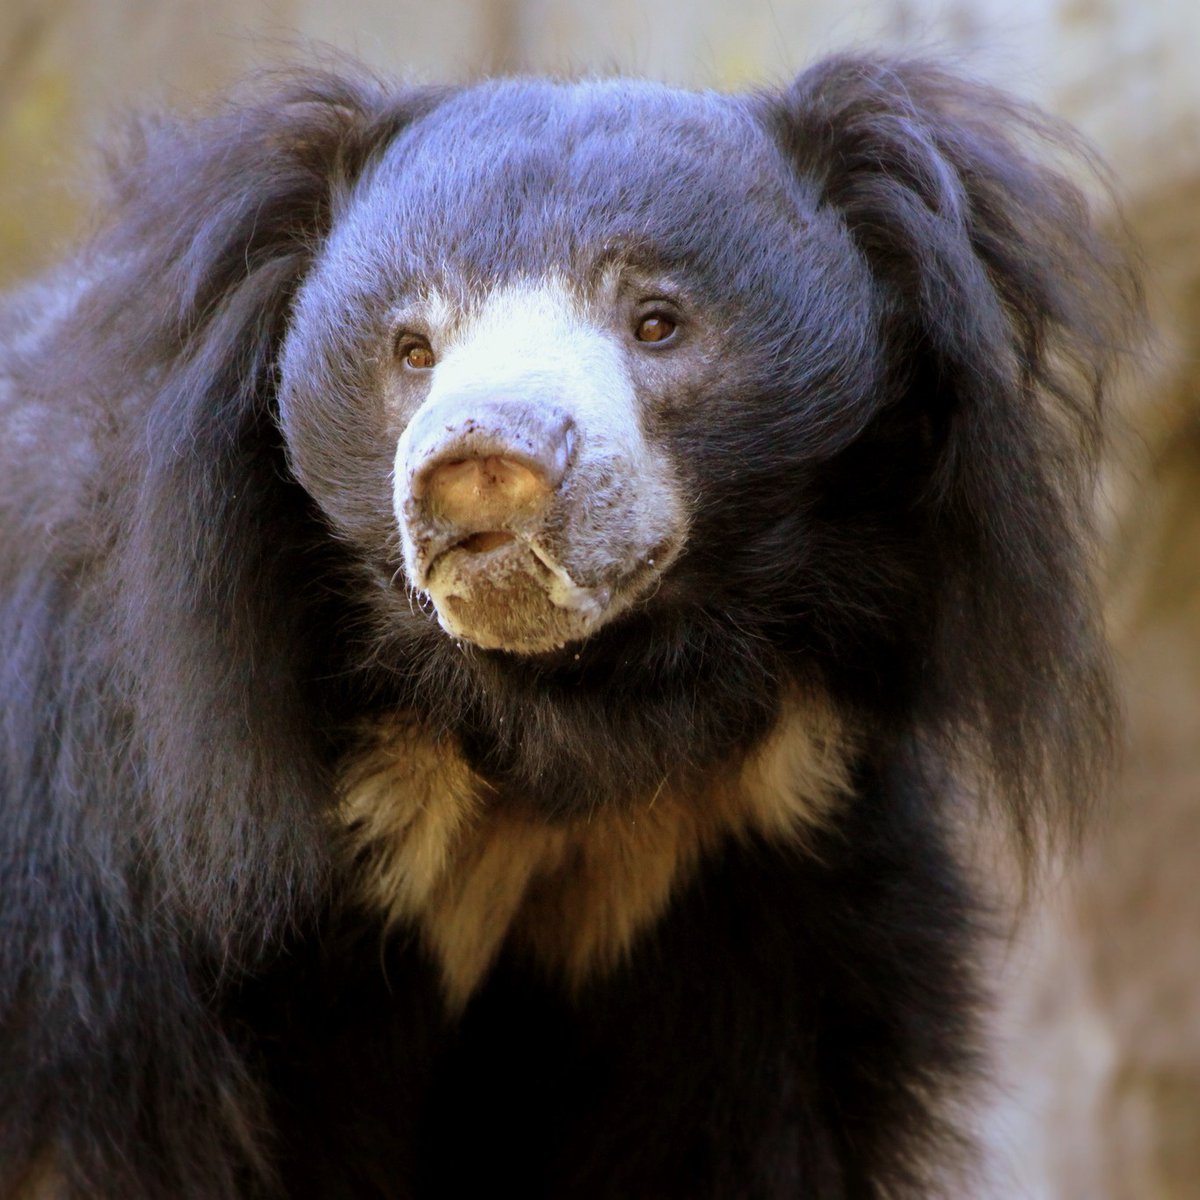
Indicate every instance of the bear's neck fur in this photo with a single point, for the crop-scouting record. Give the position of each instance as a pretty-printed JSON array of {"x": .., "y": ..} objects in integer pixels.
[{"x": 439, "y": 849}]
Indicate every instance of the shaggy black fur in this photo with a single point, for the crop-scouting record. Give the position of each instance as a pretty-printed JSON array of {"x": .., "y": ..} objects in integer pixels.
[{"x": 889, "y": 464}]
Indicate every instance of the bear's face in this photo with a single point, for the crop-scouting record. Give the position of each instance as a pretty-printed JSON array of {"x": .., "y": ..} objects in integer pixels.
[{"x": 562, "y": 346}]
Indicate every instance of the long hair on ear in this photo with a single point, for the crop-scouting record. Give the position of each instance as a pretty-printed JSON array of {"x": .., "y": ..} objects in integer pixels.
[
  {"x": 162, "y": 792},
  {"x": 1006, "y": 309},
  {"x": 202, "y": 559}
]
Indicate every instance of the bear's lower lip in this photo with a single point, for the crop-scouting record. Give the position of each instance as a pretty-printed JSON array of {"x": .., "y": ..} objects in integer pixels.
[{"x": 502, "y": 592}]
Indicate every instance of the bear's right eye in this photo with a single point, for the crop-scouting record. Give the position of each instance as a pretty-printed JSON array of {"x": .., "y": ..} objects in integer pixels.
[{"x": 415, "y": 353}]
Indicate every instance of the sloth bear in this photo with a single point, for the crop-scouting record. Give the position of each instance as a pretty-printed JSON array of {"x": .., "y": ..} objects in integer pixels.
[{"x": 511, "y": 595}]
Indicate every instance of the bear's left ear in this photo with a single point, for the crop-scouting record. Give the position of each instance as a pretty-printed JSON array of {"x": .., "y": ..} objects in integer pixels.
[
  {"x": 984, "y": 249},
  {"x": 1003, "y": 306}
]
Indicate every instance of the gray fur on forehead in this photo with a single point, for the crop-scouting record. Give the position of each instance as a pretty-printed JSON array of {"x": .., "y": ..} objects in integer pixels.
[
  {"x": 517, "y": 176},
  {"x": 502, "y": 113}
]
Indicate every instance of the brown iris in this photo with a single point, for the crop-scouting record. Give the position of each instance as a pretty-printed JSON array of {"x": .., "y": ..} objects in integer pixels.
[
  {"x": 420, "y": 358},
  {"x": 654, "y": 328}
]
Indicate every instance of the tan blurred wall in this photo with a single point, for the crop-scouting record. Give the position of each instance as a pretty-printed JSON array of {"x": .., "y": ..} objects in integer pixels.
[
  {"x": 69, "y": 68},
  {"x": 1099, "y": 1043}
]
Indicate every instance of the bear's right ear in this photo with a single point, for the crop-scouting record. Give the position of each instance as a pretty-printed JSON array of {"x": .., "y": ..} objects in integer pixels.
[
  {"x": 203, "y": 205},
  {"x": 186, "y": 300}
]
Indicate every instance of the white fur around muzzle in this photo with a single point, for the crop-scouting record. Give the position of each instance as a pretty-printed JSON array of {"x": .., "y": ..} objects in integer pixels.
[{"x": 555, "y": 571}]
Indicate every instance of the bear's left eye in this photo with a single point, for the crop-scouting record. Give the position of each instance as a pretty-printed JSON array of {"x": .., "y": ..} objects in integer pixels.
[{"x": 655, "y": 327}]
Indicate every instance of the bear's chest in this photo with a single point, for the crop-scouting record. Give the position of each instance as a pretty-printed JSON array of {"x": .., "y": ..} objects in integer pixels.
[{"x": 439, "y": 850}]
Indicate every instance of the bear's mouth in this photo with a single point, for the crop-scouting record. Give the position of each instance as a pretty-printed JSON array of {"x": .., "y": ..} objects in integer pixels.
[
  {"x": 485, "y": 541},
  {"x": 502, "y": 591}
]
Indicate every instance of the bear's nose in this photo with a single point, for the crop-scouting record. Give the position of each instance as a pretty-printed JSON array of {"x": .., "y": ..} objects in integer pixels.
[
  {"x": 490, "y": 487},
  {"x": 486, "y": 466}
]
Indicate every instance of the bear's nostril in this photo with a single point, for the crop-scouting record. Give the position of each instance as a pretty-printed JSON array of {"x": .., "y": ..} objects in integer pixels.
[{"x": 485, "y": 488}]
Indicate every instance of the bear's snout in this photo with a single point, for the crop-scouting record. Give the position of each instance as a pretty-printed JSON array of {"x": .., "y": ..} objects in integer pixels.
[
  {"x": 530, "y": 505},
  {"x": 480, "y": 483}
]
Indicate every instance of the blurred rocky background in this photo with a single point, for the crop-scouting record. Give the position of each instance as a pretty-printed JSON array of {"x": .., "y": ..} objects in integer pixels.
[{"x": 1098, "y": 1055}]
